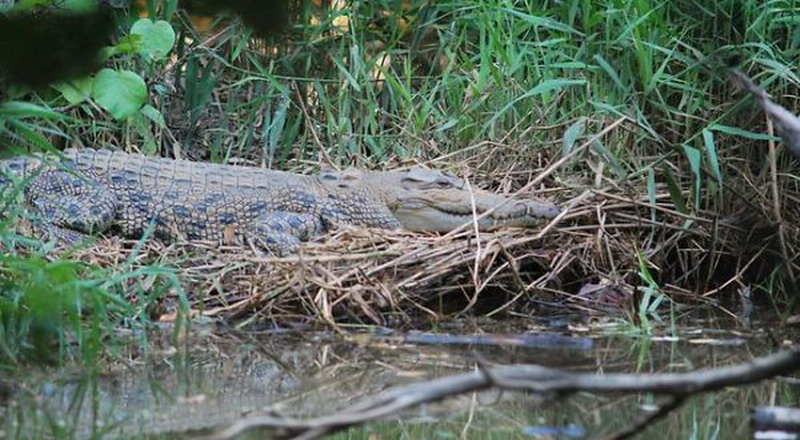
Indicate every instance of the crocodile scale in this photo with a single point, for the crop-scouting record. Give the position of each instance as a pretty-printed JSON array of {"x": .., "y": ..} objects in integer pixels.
[
  {"x": 91, "y": 191},
  {"x": 97, "y": 190}
]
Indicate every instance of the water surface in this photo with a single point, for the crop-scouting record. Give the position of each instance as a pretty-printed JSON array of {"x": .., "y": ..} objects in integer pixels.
[{"x": 210, "y": 380}]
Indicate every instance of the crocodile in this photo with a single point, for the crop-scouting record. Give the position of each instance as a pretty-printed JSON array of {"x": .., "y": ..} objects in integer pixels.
[{"x": 87, "y": 191}]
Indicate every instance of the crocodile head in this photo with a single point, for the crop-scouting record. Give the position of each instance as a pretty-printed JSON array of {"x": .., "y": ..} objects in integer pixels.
[{"x": 426, "y": 200}]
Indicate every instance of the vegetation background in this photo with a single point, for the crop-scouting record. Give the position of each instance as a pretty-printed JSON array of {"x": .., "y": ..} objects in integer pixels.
[{"x": 500, "y": 88}]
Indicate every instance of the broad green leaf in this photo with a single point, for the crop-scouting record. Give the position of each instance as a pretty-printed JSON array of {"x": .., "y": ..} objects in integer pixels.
[
  {"x": 150, "y": 147},
  {"x": 711, "y": 153},
  {"x": 76, "y": 90},
  {"x": 450, "y": 123},
  {"x": 132, "y": 43},
  {"x": 157, "y": 38},
  {"x": 106, "y": 53},
  {"x": 141, "y": 123},
  {"x": 276, "y": 126},
  {"x": 122, "y": 93},
  {"x": 154, "y": 115},
  {"x": 553, "y": 84}
]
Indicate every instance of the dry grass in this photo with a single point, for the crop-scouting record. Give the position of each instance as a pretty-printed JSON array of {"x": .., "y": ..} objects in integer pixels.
[
  {"x": 613, "y": 234},
  {"x": 396, "y": 277}
]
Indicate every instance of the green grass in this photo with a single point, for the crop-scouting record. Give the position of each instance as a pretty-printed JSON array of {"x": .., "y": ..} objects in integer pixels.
[
  {"x": 55, "y": 309},
  {"x": 458, "y": 73},
  {"x": 60, "y": 310}
]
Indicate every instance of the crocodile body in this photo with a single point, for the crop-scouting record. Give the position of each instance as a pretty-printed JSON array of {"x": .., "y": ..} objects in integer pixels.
[{"x": 91, "y": 191}]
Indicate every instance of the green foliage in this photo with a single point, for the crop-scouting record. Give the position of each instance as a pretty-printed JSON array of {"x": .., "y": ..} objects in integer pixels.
[
  {"x": 41, "y": 308},
  {"x": 377, "y": 80},
  {"x": 77, "y": 90},
  {"x": 121, "y": 93},
  {"x": 55, "y": 310},
  {"x": 74, "y": 6},
  {"x": 157, "y": 38},
  {"x": 652, "y": 296}
]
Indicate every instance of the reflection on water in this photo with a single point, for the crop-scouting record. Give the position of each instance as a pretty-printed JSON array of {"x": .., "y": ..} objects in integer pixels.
[{"x": 215, "y": 379}]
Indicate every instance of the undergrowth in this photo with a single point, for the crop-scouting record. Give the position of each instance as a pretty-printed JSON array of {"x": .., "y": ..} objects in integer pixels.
[
  {"x": 498, "y": 87},
  {"x": 54, "y": 309}
]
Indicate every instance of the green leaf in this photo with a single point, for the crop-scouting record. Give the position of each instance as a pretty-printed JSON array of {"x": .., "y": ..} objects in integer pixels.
[
  {"x": 693, "y": 154},
  {"x": 122, "y": 93},
  {"x": 606, "y": 66},
  {"x": 64, "y": 6},
  {"x": 106, "y": 53},
  {"x": 350, "y": 79},
  {"x": 27, "y": 5},
  {"x": 545, "y": 22},
  {"x": 450, "y": 123},
  {"x": 16, "y": 109},
  {"x": 157, "y": 38},
  {"x": 77, "y": 90},
  {"x": 652, "y": 192},
  {"x": 610, "y": 159},
  {"x": 711, "y": 153},
  {"x": 542, "y": 88},
  {"x": 154, "y": 115},
  {"x": 81, "y": 6},
  {"x": 743, "y": 133},
  {"x": 141, "y": 123},
  {"x": 674, "y": 191},
  {"x": 24, "y": 131},
  {"x": 130, "y": 44},
  {"x": 572, "y": 134}
]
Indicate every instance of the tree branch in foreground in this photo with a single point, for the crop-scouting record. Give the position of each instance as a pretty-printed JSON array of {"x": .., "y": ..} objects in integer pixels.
[{"x": 530, "y": 378}]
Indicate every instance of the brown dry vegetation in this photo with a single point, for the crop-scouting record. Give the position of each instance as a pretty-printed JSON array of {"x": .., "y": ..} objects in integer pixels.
[
  {"x": 641, "y": 221},
  {"x": 607, "y": 232}
]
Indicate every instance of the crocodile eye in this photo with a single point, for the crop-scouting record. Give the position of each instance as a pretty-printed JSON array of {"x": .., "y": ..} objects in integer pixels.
[{"x": 443, "y": 184}]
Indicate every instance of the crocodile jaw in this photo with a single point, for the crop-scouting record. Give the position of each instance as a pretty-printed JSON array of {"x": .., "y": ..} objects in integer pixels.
[{"x": 442, "y": 213}]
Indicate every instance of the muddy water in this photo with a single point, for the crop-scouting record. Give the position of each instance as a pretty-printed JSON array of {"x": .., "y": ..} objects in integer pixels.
[{"x": 210, "y": 379}]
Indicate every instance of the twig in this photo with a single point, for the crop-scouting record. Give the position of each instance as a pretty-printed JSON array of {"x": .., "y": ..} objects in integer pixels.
[
  {"x": 788, "y": 127},
  {"x": 776, "y": 203},
  {"x": 541, "y": 176},
  {"x": 526, "y": 378},
  {"x": 674, "y": 403}
]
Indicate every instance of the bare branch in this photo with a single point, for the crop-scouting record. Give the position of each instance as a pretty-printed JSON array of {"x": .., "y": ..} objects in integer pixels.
[
  {"x": 674, "y": 403},
  {"x": 786, "y": 123},
  {"x": 528, "y": 378}
]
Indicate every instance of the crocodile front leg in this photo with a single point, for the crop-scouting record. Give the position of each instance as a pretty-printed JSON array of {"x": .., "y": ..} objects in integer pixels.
[
  {"x": 69, "y": 206},
  {"x": 281, "y": 232}
]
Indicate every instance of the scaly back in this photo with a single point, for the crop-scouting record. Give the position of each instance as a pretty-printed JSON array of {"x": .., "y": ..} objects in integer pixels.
[{"x": 152, "y": 172}]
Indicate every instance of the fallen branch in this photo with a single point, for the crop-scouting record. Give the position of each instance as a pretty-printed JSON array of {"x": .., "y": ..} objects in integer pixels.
[
  {"x": 531, "y": 378},
  {"x": 786, "y": 123}
]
